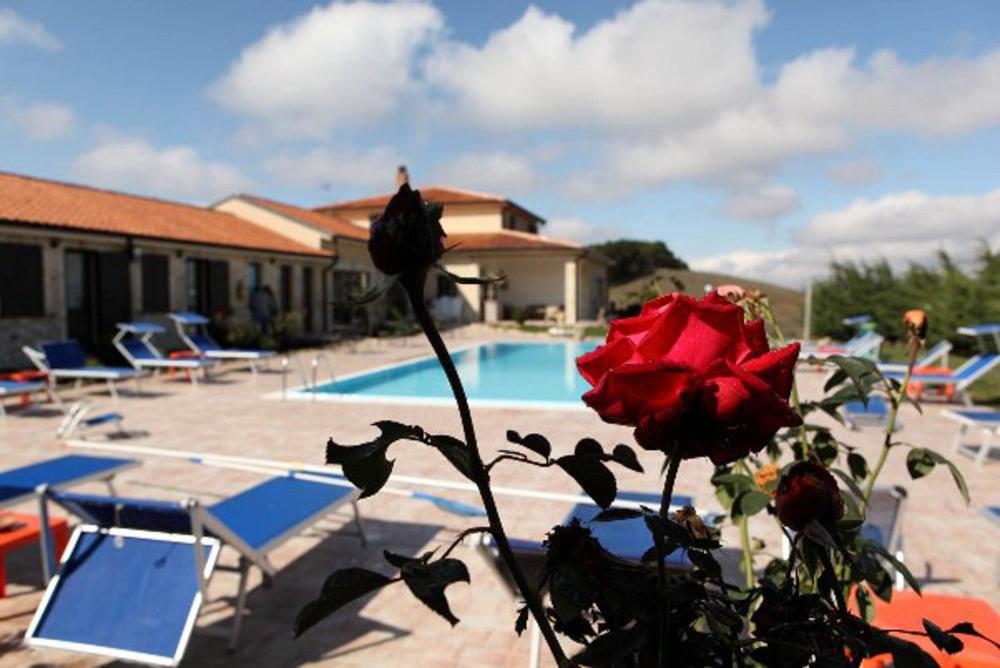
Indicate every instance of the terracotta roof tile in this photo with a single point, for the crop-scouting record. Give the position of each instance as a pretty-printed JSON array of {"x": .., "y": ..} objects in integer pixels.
[
  {"x": 432, "y": 194},
  {"x": 334, "y": 224},
  {"x": 506, "y": 240},
  {"x": 33, "y": 201}
]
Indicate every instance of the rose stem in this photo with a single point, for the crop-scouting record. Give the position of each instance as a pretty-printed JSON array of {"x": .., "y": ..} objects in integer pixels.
[
  {"x": 896, "y": 400},
  {"x": 768, "y": 315},
  {"x": 745, "y": 539},
  {"x": 673, "y": 464},
  {"x": 415, "y": 291}
]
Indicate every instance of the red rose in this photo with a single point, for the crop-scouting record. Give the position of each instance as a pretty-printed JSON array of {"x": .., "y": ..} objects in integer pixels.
[
  {"x": 692, "y": 374},
  {"x": 407, "y": 238},
  {"x": 808, "y": 492}
]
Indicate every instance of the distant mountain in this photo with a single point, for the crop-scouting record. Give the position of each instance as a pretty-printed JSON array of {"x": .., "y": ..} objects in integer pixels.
[{"x": 787, "y": 304}]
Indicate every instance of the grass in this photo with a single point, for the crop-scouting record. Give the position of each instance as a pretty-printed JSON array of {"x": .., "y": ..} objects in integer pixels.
[{"x": 984, "y": 392}]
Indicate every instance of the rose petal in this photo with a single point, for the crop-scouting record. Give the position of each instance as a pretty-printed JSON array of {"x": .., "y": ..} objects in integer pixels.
[
  {"x": 776, "y": 368},
  {"x": 595, "y": 364},
  {"x": 627, "y": 393},
  {"x": 696, "y": 334}
]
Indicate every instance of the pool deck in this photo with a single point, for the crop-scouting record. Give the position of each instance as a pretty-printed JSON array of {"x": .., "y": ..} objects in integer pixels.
[{"x": 951, "y": 547}]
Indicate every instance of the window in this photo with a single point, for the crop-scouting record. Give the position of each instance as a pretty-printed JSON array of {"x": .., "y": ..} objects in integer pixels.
[
  {"x": 307, "y": 298},
  {"x": 253, "y": 277},
  {"x": 22, "y": 289},
  {"x": 155, "y": 284},
  {"x": 286, "y": 288}
]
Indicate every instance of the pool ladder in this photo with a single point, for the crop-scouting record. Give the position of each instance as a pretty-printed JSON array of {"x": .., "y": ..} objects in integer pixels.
[{"x": 309, "y": 377}]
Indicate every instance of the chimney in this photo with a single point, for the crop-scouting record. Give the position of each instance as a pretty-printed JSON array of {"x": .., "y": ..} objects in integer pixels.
[{"x": 402, "y": 176}]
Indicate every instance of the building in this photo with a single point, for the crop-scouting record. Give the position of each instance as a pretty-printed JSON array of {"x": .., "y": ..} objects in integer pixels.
[
  {"x": 74, "y": 261},
  {"x": 490, "y": 235}
]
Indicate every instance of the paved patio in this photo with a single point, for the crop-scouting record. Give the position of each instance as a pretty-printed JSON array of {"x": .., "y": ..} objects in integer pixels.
[{"x": 951, "y": 547}]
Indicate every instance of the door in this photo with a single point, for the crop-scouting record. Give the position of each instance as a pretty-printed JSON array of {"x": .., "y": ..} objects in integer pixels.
[
  {"x": 98, "y": 297},
  {"x": 307, "y": 299}
]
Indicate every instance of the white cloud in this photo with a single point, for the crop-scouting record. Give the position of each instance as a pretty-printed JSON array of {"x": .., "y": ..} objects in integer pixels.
[
  {"x": 323, "y": 167},
  {"x": 653, "y": 64},
  {"x": 861, "y": 172},
  {"x": 15, "y": 29},
  {"x": 762, "y": 204},
  {"x": 38, "y": 120},
  {"x": 343, "y": 64},
  {"x": 173, "y": 172},
  {"x": 577, "y": 229},
  {"x": 493, "y": 171},
  {"x": 903, "y": 228}
]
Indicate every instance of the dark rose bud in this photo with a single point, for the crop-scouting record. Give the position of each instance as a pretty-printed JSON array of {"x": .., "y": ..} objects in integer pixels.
[
  {"x": 916, "y": 323},
  {"x": 808, "y": 492},
  {"x": 407, "y": 238}
]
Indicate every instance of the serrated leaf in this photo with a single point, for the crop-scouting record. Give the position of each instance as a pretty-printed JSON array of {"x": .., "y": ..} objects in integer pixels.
[
  {"x": 593, "y": 477},
  {"x": 455, "y": 452},
  {"x": 340, "y": 588},
  {"x": 369, "y": 475},
  {"x": 896, "y": 564},
  {"x": 904, "y": 653},
  {"x": 521, "y": 623},
  {"x": 866, "y": 608},
  {"x": 428, "y": 582},
  {"x": 398, "y": 560},
  {"x": 857, "y": 465},
  {"x": 626, "y": 456},
  {"x": 534, "y": 442},
  {"x": 921, "y": 461},
  {"x": 589, "y": 447},
  {"x": 818, "y": 534},
  {"x": 941, "y": 639},
  {"x": 704, "y": 560}
]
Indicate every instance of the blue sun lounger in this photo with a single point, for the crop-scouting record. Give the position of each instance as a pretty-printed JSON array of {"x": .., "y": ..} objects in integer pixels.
[
  {"x": 988, "y": 424},
  {"x": 200, "y": 342},
  {"x": 934, "y": 356},
  {"x": 21, "y": 484},
  {"x": 16, "y": 388},
  {"x": 148, "y": 548},
  {"x": 65, "y": 360},
  {"x": 133, "y": 342},
  {"x": 866, "y": 343},
  {"x": 974, "y": 368}
]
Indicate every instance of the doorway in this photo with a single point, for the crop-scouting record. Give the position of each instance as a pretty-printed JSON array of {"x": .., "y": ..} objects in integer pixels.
[{"x": 98, "y": 297}]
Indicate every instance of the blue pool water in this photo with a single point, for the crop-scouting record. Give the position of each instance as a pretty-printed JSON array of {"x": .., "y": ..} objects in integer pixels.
[{"x": 543, "y": 373}]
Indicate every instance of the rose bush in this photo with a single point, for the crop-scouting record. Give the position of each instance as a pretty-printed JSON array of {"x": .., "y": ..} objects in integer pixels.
[
  {"x": 808, "y": 492},
  {"x": 693, "y": 375}
]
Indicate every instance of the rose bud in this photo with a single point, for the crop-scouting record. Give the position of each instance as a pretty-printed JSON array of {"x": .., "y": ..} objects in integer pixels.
[
  {"x": 916, "y": 322},
  {"x": 688, "y": 518},
  {"x": 808, "y": 492},
  {"x": 407, "y": 238},
  {"x": 693, "y": 377},
  {"x": 731, "y": 292}
]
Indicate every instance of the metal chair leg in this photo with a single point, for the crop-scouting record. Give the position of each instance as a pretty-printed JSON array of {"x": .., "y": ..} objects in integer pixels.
[
  {"x": 241, "y": 597},
  {"x": 361, "y": 524}
]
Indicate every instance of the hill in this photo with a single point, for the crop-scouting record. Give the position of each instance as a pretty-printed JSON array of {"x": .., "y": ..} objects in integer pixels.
[{"x": 787, "y": 304}]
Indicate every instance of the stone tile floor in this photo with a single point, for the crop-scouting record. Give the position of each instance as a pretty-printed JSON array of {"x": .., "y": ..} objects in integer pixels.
[{"x": 951, "y": 547}]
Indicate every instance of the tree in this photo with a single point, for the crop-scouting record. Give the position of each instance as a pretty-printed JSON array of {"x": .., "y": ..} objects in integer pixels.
[{"x": 634, "y": 258}]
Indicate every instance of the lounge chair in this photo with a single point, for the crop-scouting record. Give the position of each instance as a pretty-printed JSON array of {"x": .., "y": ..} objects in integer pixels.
[
  {"x": 988, "y": 424},
  {"x": 78, "y": 419},
  {"x": 200, "y": 342},
  {"x": 17, "y": 388},
  {"x": 866, "y": 344},
  {"x": 934, "y": 356},
  {"x": 134, "y": 568},
  {"x": 629, "y": 539},
  {"x": 133, "y": 342},
  {"x": 874, "y": 413},
  {"x": 65, "y": 360},
  {"x": 21, "y": 484},
  {"x": 959, "y": 380}
]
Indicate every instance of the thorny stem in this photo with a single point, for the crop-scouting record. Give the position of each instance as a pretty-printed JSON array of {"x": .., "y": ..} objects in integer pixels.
[
  {"x": 896, "y": 400},
  {"x": 462, "y": 536},
  {"x": 769, "y": 318},
  {"x": 835, "y": 581},
  {"x": 414, "y": 285}
]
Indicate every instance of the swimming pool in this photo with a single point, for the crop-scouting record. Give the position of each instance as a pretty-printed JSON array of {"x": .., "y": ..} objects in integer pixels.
[{"x": 500, "y": 374}]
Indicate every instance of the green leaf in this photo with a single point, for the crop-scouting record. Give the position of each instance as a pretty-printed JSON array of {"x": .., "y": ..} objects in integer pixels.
[
  {"x": 369, "y": 475},
  {"x": 896, "y": 564},
  {"x": 858, "y": 466},
  {"x": 625, "y": 456},
  {"x": 534, "y": 442},
  {"x": 921, "y": 461},
  {"x": 904, "y": 653},
  {"x": 589, "y": 447},
  {"x": 341, "y": 587},
  {"x": 966, "y": 628},
  {"x": 866, "y": 607},
  {"x": 593, "y": 477},
  {"x": 456, "y": 452},
  {"x": 749, "y": 503},
  {"x": 704, "y": 560},
  {"x": 860, "y": 371},
  {"x": 818, "y": 534},
  {"x": 612, "y": 648},
  {"x": 942, "y": 640},
  {"x": 428, "y": 582}
]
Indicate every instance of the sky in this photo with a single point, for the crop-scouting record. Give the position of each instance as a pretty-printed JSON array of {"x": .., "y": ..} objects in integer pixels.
[{"x": 764, "y": 139}]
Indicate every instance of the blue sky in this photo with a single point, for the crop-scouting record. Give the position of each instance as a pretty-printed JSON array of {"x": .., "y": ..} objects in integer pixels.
[{"x": 758, "y": 138}]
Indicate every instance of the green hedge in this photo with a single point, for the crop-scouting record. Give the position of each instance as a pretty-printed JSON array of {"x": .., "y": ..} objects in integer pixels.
[{"x": 951, "y": 297}]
